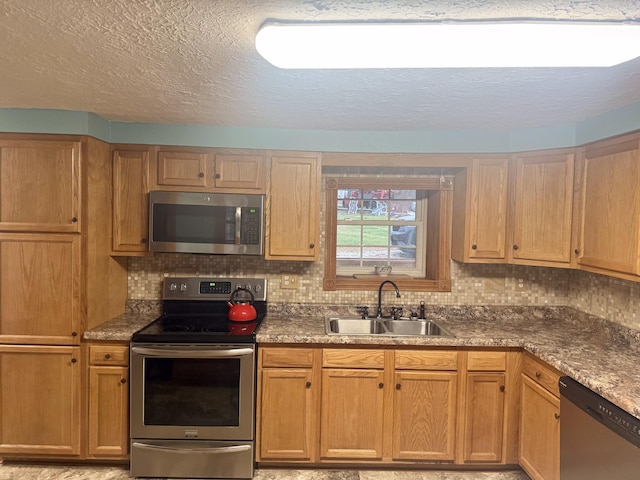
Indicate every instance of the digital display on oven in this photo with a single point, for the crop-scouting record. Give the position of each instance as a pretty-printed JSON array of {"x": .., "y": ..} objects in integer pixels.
[{"x": 215, "y": 287}]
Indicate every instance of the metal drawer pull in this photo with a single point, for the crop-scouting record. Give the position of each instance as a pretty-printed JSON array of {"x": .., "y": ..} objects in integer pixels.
[{"x": 234, "y": 448}]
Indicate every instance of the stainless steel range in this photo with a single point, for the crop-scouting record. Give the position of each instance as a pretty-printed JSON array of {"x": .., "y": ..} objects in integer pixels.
[{"x": 193, "y": 380}]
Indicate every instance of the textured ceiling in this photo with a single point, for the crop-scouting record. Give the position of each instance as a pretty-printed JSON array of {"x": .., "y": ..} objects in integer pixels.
[{"x": 194, "y": 62}]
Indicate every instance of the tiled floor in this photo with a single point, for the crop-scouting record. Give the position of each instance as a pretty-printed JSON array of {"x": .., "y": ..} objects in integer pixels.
[{"x": 39, "y": 472}]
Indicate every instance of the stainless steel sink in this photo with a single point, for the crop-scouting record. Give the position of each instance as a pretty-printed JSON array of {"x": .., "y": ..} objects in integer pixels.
[
  {"x": 415, "y": 327},
  {"x": 354, "y": 326},
  {"x": 384, "y": 327}
]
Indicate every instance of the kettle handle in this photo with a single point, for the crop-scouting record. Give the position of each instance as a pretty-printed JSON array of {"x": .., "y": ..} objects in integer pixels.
[{"x": 241, "y": 289}]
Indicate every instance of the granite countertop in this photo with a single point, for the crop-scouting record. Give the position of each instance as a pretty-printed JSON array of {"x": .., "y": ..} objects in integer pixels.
[{"x": 601, "y": 355}]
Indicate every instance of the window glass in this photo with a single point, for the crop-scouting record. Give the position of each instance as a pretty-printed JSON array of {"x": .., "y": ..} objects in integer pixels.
[{"x": 379, "y": 227}]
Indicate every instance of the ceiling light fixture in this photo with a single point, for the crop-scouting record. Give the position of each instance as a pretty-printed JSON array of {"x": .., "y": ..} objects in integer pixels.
[{"x": 448, "y": 45}]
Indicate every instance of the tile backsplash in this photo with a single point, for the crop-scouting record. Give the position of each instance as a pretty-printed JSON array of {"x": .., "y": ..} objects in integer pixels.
[{"x": 610, "y": 298}]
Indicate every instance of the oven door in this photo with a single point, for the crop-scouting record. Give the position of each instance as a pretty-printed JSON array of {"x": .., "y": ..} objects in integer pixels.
[{"x": 198, "y": 392}]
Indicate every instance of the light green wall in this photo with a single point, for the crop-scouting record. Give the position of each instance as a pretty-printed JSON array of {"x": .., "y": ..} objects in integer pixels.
[{"x": 616, "y": 122}]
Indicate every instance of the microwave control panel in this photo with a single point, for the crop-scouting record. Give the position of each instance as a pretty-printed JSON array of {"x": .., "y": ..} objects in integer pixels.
[{"x": 250, "y": 226}]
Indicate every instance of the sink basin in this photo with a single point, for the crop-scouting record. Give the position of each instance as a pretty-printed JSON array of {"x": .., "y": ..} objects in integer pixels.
[
  {"x": 385, "y": 327},
  {"x": 415, "y": 327},
  {"x": 355, "y": 326}
]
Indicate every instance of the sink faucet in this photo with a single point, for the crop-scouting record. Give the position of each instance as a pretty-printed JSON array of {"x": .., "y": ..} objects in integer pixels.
[{"x": 379, "y": 311}]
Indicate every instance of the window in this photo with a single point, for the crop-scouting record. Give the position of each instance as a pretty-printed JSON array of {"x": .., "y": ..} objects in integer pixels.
[{"x": 400, "y": 222}]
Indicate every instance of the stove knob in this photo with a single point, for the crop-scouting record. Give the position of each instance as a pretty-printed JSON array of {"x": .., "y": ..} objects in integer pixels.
[
  {"x": 173, "y": 287},
  {"x": 257, "y": 288},
  {"x": 183, "y": 287},
  {"x": 248, "y": 287}
]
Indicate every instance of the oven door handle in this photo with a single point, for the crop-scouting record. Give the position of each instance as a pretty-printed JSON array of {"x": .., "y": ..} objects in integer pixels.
[
  {"x": 231, "y": 449},
  {"x": 161, "y": 352}
]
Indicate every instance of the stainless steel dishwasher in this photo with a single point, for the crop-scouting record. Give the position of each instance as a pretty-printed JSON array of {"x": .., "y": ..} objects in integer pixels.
[{"x": 598, "y": 440}]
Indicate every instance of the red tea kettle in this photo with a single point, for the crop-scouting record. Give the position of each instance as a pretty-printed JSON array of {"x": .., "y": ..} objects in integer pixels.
[{"x": 241, "y": 311}]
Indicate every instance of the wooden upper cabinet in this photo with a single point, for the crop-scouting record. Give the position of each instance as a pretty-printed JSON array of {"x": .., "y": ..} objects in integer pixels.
[
  {"x": 610, "y": 194},
  {"x": 188, "y": 169},
  {"x": 543, "y": 207},
  {"x": 210, "y": 170},
  {"x": 293, "y": 206},
  {"x": 40, "y": 188},
  {"x": 130, "y": 201},
  {"x": 240, "y": 172},
  {"x": 40, "y": 284},
  {"x": 480, "y": 211}
]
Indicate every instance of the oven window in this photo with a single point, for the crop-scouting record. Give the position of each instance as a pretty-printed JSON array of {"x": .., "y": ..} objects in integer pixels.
[{"x": 192, "y": 392}]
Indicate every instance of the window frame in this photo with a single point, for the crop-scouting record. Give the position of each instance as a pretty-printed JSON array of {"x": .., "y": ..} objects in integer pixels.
[{"x": 437, "y": 248}]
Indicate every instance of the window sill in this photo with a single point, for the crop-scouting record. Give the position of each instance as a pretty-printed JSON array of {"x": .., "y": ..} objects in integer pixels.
[{"x": 373, "y": 282}]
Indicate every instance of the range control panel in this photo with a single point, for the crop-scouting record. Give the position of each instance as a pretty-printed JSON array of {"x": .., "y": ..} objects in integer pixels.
[{"x": 205, "y": 288}]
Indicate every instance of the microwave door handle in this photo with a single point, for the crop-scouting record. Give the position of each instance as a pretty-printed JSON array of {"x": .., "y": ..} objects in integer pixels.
[
  {"x": 238, "y": 224},
  {"x": 160, "y": 352},
  {"x": 231, "y": 449}
]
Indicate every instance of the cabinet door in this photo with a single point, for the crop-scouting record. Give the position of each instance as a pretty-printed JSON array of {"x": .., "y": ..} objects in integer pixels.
[
  {"x": 611, "y": 204},
  {"x": 185, "y": 169},
  {"x": 487, "y": 209},
  {"x": 287, "y": 410},
  {"x": 39, "y": 400},
  {"x": 130, "y": 201},
  {"x": 424, "y": 416},
  {"x": 240, "y": 172},
  {"x": 543, "y": 208},
  {"x": 539, "y": 432},
  {"x": 483, "y": 417},
  {"x": 40, "y": 186},
  {"x": 108, "y": 412},
  {"x": 40, "y": 279},
  {"x": 293, "y": 206},
  {"x": 352, "y": 414}
]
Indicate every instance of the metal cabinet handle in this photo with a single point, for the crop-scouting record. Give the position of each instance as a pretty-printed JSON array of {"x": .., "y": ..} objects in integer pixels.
[
  {"x": 308, "y": 385},
  {"x": 556, "y": 416},
  {"x": 515, "y": 247},
  {"x": 474, "y": 247},
  {"x": 107, "y": 356},
  {"x": 381, "y": 385},
  {"x": 398, "y": 386},
  {"x": 74, "y": 219},
  {"x": 200, "y": 175},
  {"x": 538, "y": 374},
  {"x": 123, "y": 380},
  {"x": 312, "y": 245}
]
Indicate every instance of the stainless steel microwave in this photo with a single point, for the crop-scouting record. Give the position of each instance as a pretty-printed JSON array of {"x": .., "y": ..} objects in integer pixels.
[{"x": 214, "y": 223}]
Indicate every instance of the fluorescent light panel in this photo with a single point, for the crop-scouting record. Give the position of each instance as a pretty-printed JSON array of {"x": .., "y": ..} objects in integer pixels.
[{"x": 448, "y": 45}]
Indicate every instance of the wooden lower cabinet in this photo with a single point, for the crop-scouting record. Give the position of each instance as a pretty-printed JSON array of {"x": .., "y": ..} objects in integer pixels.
[
  {"x": 352, "y": 414},
  {"x": 287, "y": 410},
  {"x": 387, "y": 406},
  {"x": 288, "y": 404},
  {"x": 40, "y": 399},
  {"x": 540, "y": 421},
  {"x": 484, "y": 417},
  {"x": 108, "y": 401},
  {"x": 424, "y": 415}
]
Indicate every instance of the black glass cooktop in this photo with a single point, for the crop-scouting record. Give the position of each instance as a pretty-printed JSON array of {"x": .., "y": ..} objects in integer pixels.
[{"x": 182, "y": 322}]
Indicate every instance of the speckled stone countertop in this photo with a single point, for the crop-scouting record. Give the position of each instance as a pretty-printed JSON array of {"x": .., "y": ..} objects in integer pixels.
[{"x": 601, "y": 355}]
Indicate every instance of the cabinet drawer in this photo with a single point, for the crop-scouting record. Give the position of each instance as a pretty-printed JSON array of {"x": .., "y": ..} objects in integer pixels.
[
  {"x": 287, "y": 357},
  {"x": 544, "y": 375},
  {"x": 109, "y": 355},
  {"x": 486, "y": 361},
  {"x": 426, "y": 360},
  {"x": 348, "y": 357}
]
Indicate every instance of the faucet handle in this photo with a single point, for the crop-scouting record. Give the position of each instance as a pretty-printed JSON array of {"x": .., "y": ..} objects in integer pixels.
[
  {"x": 364, "y": 312},
  {"x": 396, "y": 312}
]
